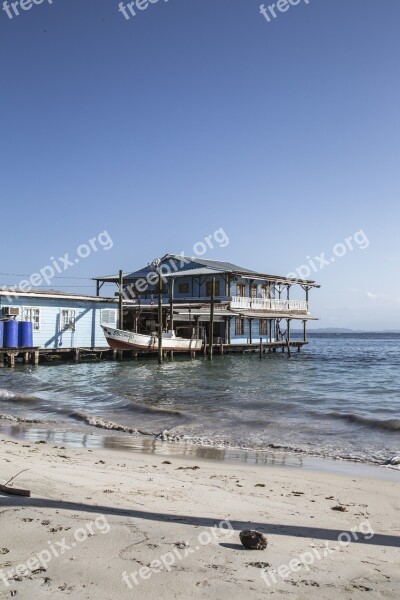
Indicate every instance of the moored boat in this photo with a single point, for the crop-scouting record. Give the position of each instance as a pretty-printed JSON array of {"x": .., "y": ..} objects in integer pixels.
[{"x": 128, "y": 340}]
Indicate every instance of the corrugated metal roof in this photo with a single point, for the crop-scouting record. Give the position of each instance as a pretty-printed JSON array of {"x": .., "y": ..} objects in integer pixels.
[
  {"x": 39, "y": 293},
  {"x": 194, "y": 272},
  {"x": 186, "y": 263}
]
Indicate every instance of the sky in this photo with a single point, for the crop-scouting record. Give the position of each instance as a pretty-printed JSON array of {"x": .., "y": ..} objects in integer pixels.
[{"x": 149, "y": 134}]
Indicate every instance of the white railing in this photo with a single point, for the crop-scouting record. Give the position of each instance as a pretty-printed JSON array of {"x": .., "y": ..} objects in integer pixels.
[{"x": 265, "y": 304}]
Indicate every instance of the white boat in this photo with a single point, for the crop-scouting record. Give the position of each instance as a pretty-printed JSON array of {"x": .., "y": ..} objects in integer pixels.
[{"x": 128, "y": 340}]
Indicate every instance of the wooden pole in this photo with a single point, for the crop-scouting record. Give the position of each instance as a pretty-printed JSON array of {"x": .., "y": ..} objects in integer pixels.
[
  {"x": 288, "y": 336},
  {"x": 120, "y": 307},
  {"x": 261, "y": 347},
  {"x": 160, "y": 320},
  {"x": 210, "y": 346},
  {"x": 171, "y": 303},
  {"x": 304, "y": 331}
]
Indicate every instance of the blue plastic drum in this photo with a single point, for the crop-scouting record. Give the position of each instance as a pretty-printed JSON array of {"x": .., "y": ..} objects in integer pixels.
[
  {"x": 10, "y": 338},
  {"x": 25, "y": 334}
]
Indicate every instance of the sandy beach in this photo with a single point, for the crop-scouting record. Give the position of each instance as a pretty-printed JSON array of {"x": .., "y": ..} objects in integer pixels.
[{"x": 109, "y": 524}]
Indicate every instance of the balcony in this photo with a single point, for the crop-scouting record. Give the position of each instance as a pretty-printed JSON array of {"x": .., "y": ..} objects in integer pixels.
[{"x": 239, "y": 302}]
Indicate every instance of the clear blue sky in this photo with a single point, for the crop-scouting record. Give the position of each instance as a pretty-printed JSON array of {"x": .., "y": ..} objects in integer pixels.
[{"x": 196, "y": 115}]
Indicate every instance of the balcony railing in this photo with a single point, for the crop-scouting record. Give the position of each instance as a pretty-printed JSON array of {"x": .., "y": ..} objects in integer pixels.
[{"x": 272, "y": 305}]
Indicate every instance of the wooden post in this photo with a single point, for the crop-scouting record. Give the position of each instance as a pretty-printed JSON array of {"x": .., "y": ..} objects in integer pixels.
[
  {"x": 160, "y": 320},
  {"x": 171, "y": 303},
  {"x": 261, "y": 347},
  {"x": 304, "y": 330},
  {"x": 205, "y": 345},
  {"x": 221, "y": 347},
  {"x": 25, "y": 358},
  {"x": 270, "y": 331},
  {"x": 210, "y": 346},
  {"x": 197, "y": 321},
  {"x": 36, "y": 358},
  {"x": 251, "y": 330},
  {"x": 76, "y": 355},
  {"x": 97, "y": 288},
  {"x": 120, "y": 307},
  {"x": 11, "y": 360}
]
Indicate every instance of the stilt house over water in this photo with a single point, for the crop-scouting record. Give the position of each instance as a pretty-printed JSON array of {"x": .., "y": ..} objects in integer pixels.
[{"x": 243, "y": 305}]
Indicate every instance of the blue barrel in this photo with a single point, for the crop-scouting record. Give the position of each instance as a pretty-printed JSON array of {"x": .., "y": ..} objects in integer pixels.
[
  {"x": 25, "y": 334},
  {"x": 10, "y": 339},
  {"x": 1, "y": 333}
]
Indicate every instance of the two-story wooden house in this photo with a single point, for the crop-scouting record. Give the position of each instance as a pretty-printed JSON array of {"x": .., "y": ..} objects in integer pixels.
[{"x": 247, "y": 305}]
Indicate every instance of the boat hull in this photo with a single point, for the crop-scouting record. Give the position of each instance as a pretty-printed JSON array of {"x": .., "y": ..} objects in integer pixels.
[{"x": 127, "y": 340}]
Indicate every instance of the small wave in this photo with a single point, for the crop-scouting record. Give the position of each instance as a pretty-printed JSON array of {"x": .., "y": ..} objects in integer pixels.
[
  {"x": 14, "y": 419},
  {"x": 387, "y": 424},
  {"x": 100, "y": 423},
  {"x": 144, "y": 408},
  {"x": 8, "y": 396}
]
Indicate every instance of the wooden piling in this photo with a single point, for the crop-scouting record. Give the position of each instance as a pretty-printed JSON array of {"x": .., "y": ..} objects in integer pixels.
[
  {"x": 171, "y": 304},
  {"x": 120, "y": 305},
  {"x": 160, "y": 320},
  {"x": 210, "y": 347}
]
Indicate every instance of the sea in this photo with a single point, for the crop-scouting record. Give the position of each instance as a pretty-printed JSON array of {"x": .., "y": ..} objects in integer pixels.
[{"x": 339, "y": 398}]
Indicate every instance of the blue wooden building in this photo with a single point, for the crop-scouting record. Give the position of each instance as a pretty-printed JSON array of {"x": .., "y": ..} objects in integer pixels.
[
  {"x": 248, "y": 305},
  {"x": 61, "y": 321}
]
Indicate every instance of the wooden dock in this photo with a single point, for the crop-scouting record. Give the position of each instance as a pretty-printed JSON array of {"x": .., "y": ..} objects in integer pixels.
[{"x": 11, "y": 356}]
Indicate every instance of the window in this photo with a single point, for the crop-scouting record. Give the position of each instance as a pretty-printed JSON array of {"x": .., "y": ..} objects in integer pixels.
[
  {"x": 240, "y": 290},
  {"x": 183, "y": 288},
  {"x": 253, "y": 291},
  {"x": 263, "y": 327},
  {"x": 67, "y": 319},
  {"x": 266, "y": 291},
  {"x": 209, "y": 288},
  {"x": 32, "y": 315},
  {"x": 108, "y": 316},
  {"x": 239, "y": 326}
]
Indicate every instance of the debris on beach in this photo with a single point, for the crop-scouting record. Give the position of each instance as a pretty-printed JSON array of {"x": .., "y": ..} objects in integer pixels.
[
  {"x": 7, "y": 489},
  {"x": 188, "y": 468},
  {"x": 259, "y": 565},
  {"x": 340, "y": 508},
  {"x": 253, "y": 540}
]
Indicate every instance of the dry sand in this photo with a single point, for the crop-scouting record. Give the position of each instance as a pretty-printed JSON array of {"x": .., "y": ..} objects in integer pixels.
[{"x": 108, "y": 512}]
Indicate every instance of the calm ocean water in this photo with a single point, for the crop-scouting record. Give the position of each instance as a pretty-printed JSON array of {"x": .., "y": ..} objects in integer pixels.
[{"x": 340, "y": 397}]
